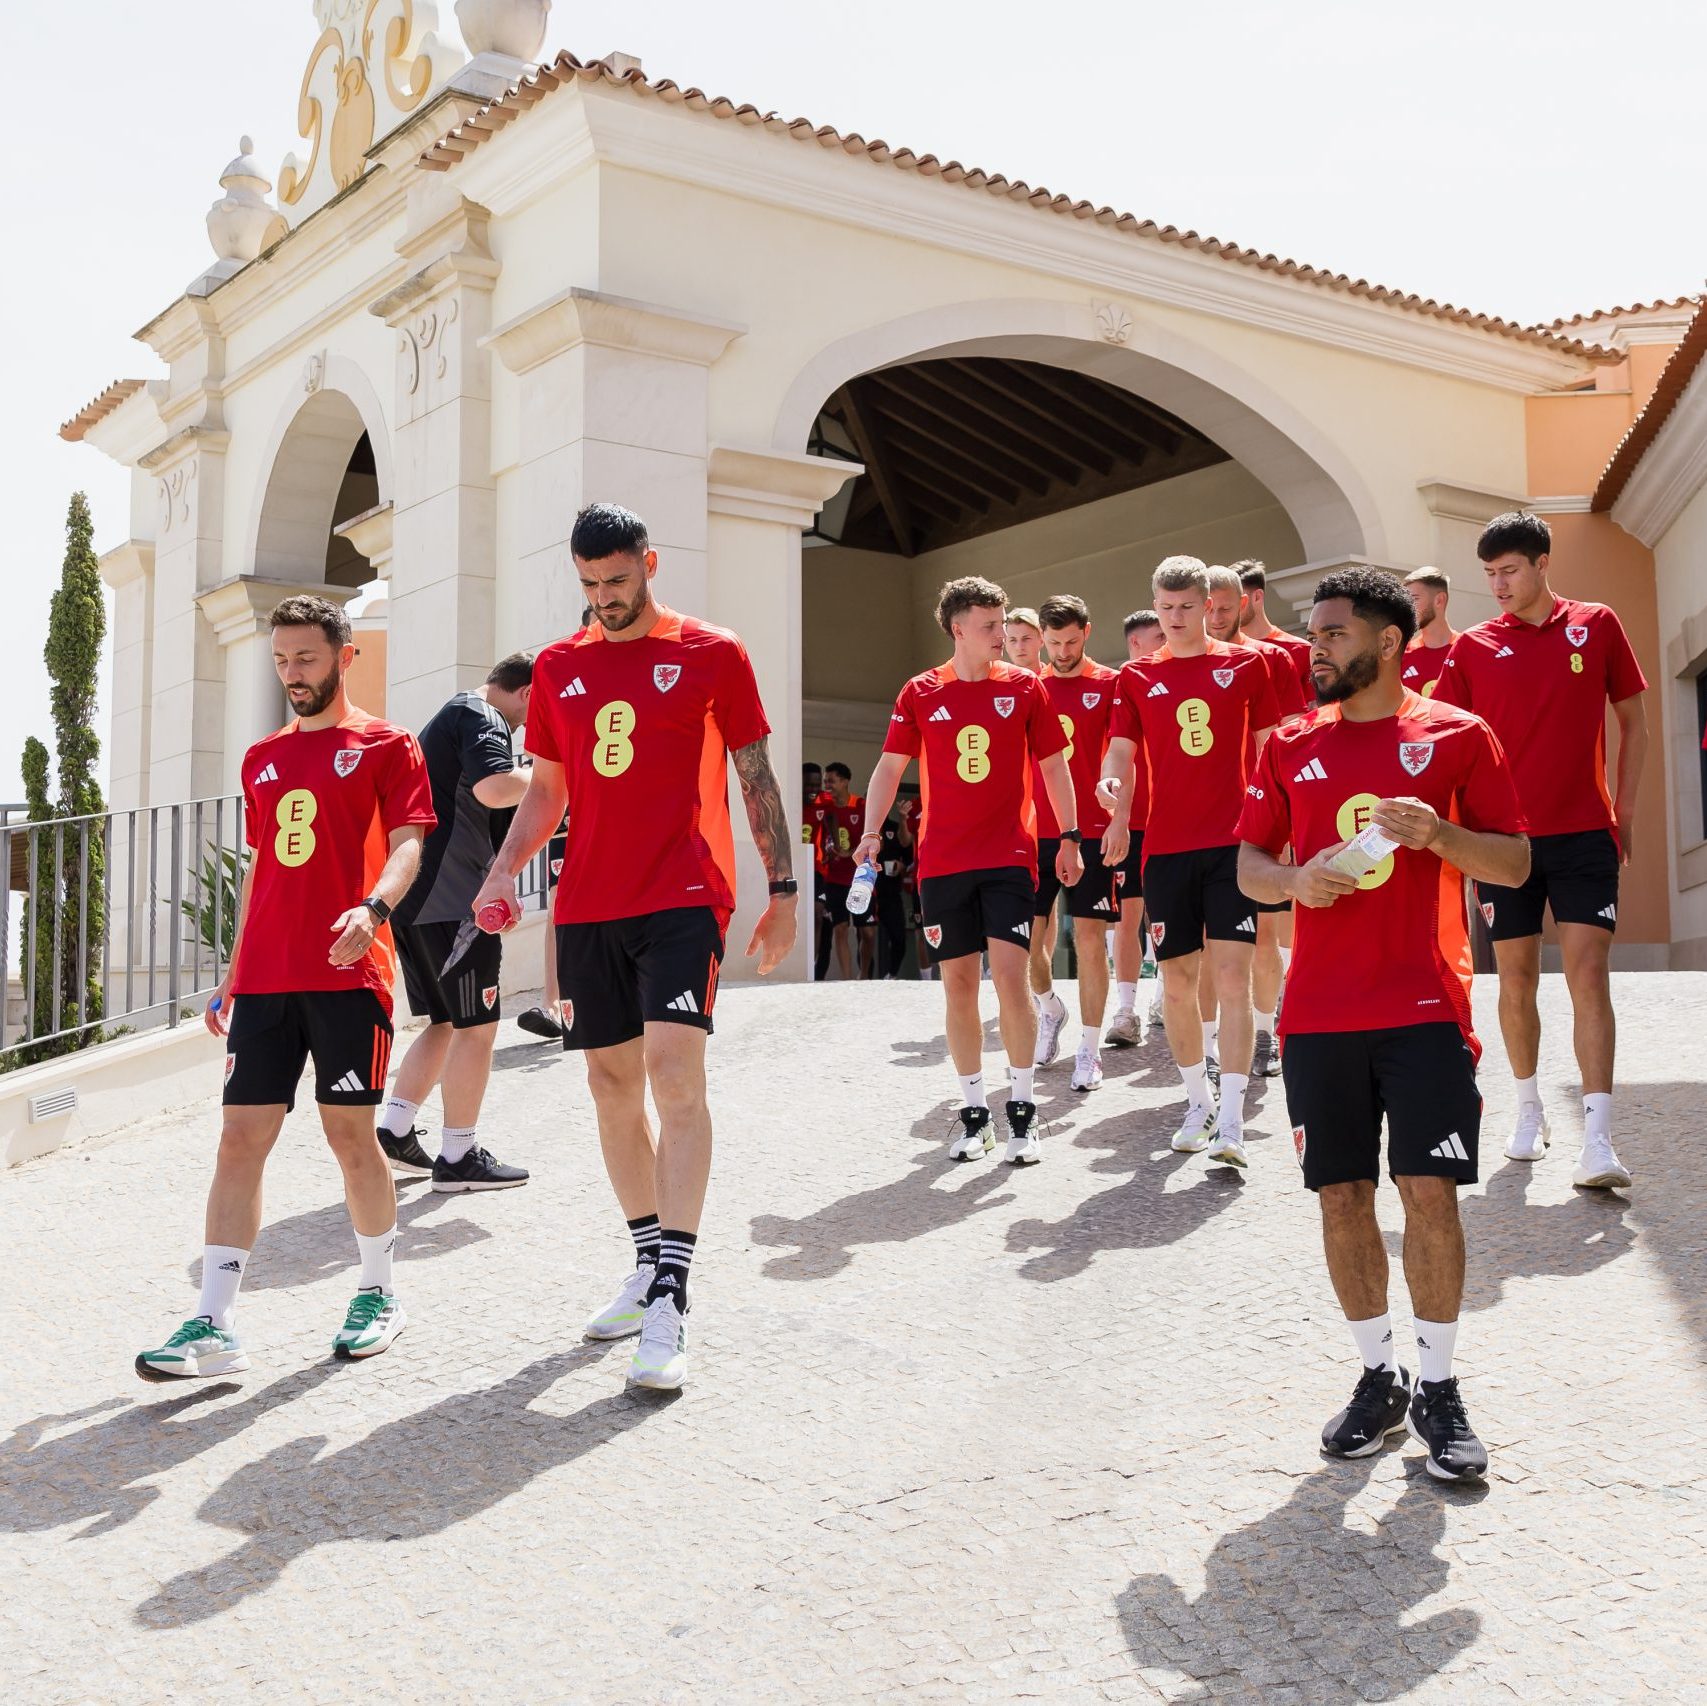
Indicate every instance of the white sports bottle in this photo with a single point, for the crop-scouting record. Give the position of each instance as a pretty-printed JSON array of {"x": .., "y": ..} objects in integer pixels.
[
  {"x": 1364, "y": 851},
  {"x": 859, "y": 890}
]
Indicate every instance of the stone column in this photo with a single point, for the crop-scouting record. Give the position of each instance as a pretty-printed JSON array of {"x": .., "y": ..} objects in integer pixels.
[
  {"x": 445, "y": 552},
  {"x": 129, "y": 571},
  {"x": 612, "y": 399},
  {"x": 759, "y": 503}
]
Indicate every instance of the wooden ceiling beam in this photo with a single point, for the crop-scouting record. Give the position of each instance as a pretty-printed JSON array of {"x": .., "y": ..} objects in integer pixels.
[
  {"x": 1007, "y": 382},
  {"x": 1093, "y": 399},
  {"x": 920, "y": 395},
  {"x": 980, "y": 483},
  {"x": 1017, "y": 421},
  {"x": 874, "y": 454}
]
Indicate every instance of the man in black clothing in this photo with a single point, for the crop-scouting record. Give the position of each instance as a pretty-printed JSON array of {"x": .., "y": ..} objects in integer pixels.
[
  {"x": 888, "y": 901},
  {"x": 476, "y": 784}
]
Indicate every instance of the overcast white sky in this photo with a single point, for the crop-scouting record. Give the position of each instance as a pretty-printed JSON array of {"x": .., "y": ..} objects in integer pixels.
[{"x": 1520, "y": 158}]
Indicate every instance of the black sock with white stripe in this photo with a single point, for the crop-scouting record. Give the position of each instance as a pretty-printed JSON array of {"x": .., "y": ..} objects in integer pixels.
[
  {"x": 645, "y": 1232},
  {"x": 675, "y": 1256}
]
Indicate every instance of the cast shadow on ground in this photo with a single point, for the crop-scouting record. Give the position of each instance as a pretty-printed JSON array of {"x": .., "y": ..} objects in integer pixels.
[
  {"x": 1303, "y": 1601},
  {"x": 533, "y": 1055},
  {"x": 409, "y": 1478},
  {"x": 97, "y": 1473},
  {"x": 933, "y": 1051},
  {"x": 319, "y": 1243}
]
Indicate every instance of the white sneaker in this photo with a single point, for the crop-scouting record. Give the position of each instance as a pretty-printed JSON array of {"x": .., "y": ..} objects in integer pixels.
[
  {"x": 661, "y": 1358},
  {"x": 621, "y": 1316},
  {"x": 1025, "y": 1147},
  {"x": 1125, "y": 1031},
  {"x": 1196, "y": 1130},
  {"x": 1051, "y": 1017},
  {"x": 976, "y": 1139},
  {"x": 1598, "y": 1169},
  {"x": 1087, "y": 1069},
  {"x": 1230, "y": 1149},
  {"x": 1529, "y": 1141}
]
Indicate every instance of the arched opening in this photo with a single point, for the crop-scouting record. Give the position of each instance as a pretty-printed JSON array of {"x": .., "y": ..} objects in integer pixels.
[{"x": 324, "y": 473}]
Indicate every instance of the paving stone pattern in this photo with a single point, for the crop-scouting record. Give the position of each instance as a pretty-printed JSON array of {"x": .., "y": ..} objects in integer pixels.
[{"x": 953, "y": 1433}]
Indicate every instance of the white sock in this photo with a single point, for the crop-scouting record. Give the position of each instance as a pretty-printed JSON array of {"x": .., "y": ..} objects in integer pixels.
[
  {"x": 222, "y": 1274},
  {"x": 1374, "y": 1341},
  {"x": 1265, "y": 1022},
  {"x": 1090, "y": 1038},
  {"x": 1597, "y": 1115},
  {"x": 1231, "y": 1121},
  {"x": 1528, "y": 1093},
  {"x": 376, "y": 1259},
  {"x": 1285, "y": 958},
  {"x": 455, "y": 1142},
  {"x": 398, "y": 1116},
  {"x": 1126, "y": 996},
  {"x": 1435, "y": 1340},
  {"x": 1020, "y": 1090},
  {"x": 1211, "y": 1036},
  {"x": 1196, "y": 1082},
  {"x": 972, "y": 1091}
]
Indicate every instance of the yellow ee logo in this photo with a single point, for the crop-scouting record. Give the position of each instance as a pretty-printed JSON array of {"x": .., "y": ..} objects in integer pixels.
[
  {"x": 1429, "y": 687},
  {"x": 973, "y": 744},
  {"x": 1576, "y": 663},
  {"x": 1353, "y": 819},
  {"x": 295, "y": 815},
  {"x": 1067, "y": 730},
  {"x": 1195, "y": 735},
  {"x": 613, "y": 751}
]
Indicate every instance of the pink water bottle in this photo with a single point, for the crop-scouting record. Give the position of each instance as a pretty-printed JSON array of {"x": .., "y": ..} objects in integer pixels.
[{"x": 495, "y": 917}]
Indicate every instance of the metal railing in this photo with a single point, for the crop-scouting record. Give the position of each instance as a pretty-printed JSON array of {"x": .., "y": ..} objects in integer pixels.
[{"x": 167, "y": 879}]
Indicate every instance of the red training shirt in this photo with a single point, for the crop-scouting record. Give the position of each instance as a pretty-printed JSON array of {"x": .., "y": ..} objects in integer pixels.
[
  {"x": 1423, "y": 665},
  {"x": 1194, "y": 720},
  {"x": 1397, "y": 950},
  {"x": 319, "y": 806},
  {"x": 975, "y": 742},
  {"x": 643, "y": 729},
  {"x": 1084, "y": 704},
  {"x": 1298, "y": 650},
  {"x": 1544, "y": 690},
  {"x": 839, "y": 830}
]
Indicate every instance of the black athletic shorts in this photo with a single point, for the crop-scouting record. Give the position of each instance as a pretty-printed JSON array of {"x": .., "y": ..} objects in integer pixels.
[
  {"x": 835, "y": 898},
  {"x": 556, "y": 849},
  {"x": 1129, "y": 873},
  {"x": 348, "y": 1031},
  {"x": 623, "y": 974},
  {"x": 469, "y": 996},
  {"x": 1576, "y": 875},
  {"x": 1096, "y": 895},
  {"x": 1340, "y": 1083},
  {"x": 1048, "y": 884},
  {"x": 1272, "y": 905},
  {"x": 964, "y": 909},
  {"x": 1193, "y": 895}
]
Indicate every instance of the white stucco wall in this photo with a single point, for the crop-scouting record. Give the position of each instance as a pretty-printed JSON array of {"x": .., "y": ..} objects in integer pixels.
[{"x": 1680, "y": 560}]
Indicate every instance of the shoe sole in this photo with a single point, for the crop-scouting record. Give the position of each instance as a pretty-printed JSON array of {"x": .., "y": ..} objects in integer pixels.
[
  {"x": 1604, "y": 1182},
  {"x": 1085, "y": 1089},
  {"x": 408, "y": 1169},
  {"x": 971, "y": 1154},
  {"x": 658, "y": 1383},
  {"x": 1226, "y": 1160},
  {"x": 229, "y": 1363},
  {"x": 451, "y": 1187},
  {"x": 1369, "y": 1449},
  {"x": 1517, "y": 1155},
  {"x": 1193, "y": 1146},
  {"x": 1023, "y": 1159},
  {"x": 347, "y": 1353},
  {"x": 539, "y": 1031},
  {"x": 599, "y": 1337},
  {"x": 1433, "y": 1467},
  {"x": 1122, "y": 1042}
]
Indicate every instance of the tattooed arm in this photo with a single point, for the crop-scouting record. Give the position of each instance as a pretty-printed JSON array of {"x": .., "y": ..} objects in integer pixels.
[{"x": 773, "y": 936}]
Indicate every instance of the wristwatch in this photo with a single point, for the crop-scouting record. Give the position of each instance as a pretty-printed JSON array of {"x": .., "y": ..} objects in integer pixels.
[
  {"x": 787, "y": 886},
  {"x": 1071, "y": 835},
  {"x": 377, "y": 907}
]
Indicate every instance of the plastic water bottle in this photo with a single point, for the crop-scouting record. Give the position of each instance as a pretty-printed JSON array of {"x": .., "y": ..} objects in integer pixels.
[{"x": 859, "y": 890}]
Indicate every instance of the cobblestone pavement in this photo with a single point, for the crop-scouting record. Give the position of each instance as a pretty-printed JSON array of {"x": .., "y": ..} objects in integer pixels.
[{"x": 953, "y": 1432}]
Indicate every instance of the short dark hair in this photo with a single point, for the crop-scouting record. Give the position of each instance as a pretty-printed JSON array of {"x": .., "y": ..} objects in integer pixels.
[
  {"x": 1516, "y": 530},
  {"x": 608, "y": 530},
  {"x": 512, "y": 673},
  {"x": 809, "y": 766},
  {"x": 1375, "y": 596},
  {"x": 306, "y": 610},
  {"x": 1063, "y": 611},
  {"x": 1251, "y": 573},
  {"x": 586, "y": 615},
  {"x": 970, "y": 592},
  {"x": 1140, "y": 619},
  {"x": 836, "y": 768}
]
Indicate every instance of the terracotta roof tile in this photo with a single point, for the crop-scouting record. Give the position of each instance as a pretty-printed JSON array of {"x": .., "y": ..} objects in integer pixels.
[
  {"x": 1685, "y": 360},
  {"x": 566, "y": 68},
  {"x": 1659, "y": 305},
  {"x": 97, "y": 410}
]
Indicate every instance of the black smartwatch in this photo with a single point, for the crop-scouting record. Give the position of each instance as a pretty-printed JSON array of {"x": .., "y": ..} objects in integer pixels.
[
  {"x": 787, "y": 886},
  {"x": 1071, "y": 835},
  {"x": 377, "y": 907}
]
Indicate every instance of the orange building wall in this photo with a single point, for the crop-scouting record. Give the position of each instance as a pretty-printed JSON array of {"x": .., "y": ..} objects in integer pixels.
[{"x": 365, "y": 683}]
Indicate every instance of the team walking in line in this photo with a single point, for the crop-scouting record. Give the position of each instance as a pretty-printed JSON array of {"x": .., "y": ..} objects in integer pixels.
[{"x": 1284, "y": 826}]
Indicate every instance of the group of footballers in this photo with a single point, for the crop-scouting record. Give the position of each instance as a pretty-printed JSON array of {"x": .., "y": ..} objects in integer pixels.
[{"x": 1187, "y": 802}]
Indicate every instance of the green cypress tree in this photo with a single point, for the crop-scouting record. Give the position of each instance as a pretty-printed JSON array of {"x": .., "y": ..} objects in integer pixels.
[{"x": 39, "y": 974}]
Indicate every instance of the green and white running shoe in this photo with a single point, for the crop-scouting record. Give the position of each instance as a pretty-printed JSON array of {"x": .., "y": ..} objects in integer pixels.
[
  {"x": 198, "y": 1348},
  {"x": 661, "y": 1358},
  {"x": 620, "y": 1318},
  {"x": 1229, "y": 1149},
  {"x": 1196, "y": 1129},
  {"x": 375, "y": 1318}
]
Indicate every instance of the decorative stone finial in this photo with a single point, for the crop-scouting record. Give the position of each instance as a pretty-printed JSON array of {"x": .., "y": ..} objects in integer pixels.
[
  {"x": 513, "y": 29},
  {"x": 242, "y": 222}
]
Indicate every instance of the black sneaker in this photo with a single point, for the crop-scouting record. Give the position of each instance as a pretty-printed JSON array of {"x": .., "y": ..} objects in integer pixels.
[
  {"x": 538, "y": 1023},
  {"x": 405, "y": 1153},
  {"x": 1438, "y": 1423},
  {"x": 1265, "y": 1057},
  {"x": 476, "y": 1171},
  {"x": 1025, "y": 1147},
  {"x": 1378, "y": 1405}
]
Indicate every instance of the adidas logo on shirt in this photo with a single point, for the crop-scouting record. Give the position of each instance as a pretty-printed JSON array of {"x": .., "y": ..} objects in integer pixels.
[
  {"x": 1158, "y": 691},
  {"x": 573, "y": 690},
  {"x": 1608, "y": 912},
  {"x": 350, "y": 1084},
  {"x": 270, "y": 774},
  {"x": 1312, "y": 772},
  {"x": 1410, "y": 674},
  {"x": 940, "y": 715},
  {"x": 1451, "y": 1150},
  {"x": 683, "y": 1003},
  {"x": 1505, "y": 652}
]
